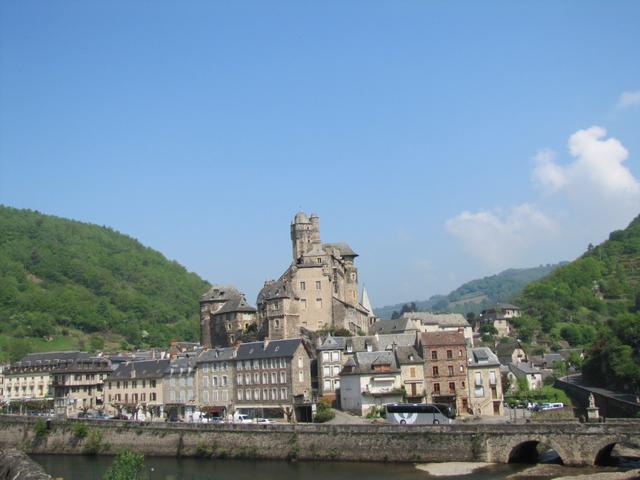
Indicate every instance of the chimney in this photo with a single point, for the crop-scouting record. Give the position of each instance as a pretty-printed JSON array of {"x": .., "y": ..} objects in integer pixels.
[{"x": 173, "y": 350}]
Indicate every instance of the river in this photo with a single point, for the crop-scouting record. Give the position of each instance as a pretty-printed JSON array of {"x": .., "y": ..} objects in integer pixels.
[{"x": 76, "y": 467}]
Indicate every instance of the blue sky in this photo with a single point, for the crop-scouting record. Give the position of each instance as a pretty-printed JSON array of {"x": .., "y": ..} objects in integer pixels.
[{"x": 443, "y": 140}]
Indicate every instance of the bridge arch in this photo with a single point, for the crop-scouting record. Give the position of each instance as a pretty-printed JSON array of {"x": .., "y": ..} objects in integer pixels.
[
  {"x": 604, "y": 453},
  {"x": 527, "y": 450}
]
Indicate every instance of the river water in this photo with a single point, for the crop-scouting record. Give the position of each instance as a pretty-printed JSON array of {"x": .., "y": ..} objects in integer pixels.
[{"x": 77, "y": 467}]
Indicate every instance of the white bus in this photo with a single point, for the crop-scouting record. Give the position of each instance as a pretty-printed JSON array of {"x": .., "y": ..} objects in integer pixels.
[{"x": 415, "y": 414}]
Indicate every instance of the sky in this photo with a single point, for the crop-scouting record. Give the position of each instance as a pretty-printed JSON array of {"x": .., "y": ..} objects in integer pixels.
[{"x": 443, "y": 140}]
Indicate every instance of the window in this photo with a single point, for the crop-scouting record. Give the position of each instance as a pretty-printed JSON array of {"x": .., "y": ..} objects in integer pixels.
[
  {"x": 318, "y": 303},
  {"x": 143, "y": 397},
  {"x": 172, "y": 395},
  {"x": 302, "y": 286},
  {"x": 434, "y": 354},
  {"x": 327, "y": 385},
  {"x": 224, "y": 380},
  {"x": 215, "y": 381},
  {"x": 435, "y": 371},
  {"x": 240, "y": 394},
  {"x": 318, "y": 260},
  {"x": 336, "y": 384},
  {"x": 265, "y": 394},
  {"x": 256, "y": 378},
  {"x": 276, "y": 323},
  {"x": 326, "y": 356},
  {"x": 265, "y": 378},
  {"x": 283, "y": 377},
  {"x": 336, "y": 370},
  {"x": 335, "y": 356},
  {"x": 449, "y": 353},
  {"x": 303, "y": 303},
  {"x": 452, "y": 387},
  {"x": 450, "y": 370},
  {"x": 256, "y": 394},
  {"x": 492, "y": 378},
  {"x": 436, "y": 388},
  {"x": 153, "y": 385},
  {"x": 206, "y": 396},
  {"x": 300, "y": 376},
  {"x": 283, "y": 394},
  {"x": 326, "y": 371},
  {"x": 205, "y": 381},
  {"x": 247, "y": 379},
  {"x": 459, "y": 353},
  {"x": 478, "y": 378},
  {"x": 318, "y": 285},
  {"x": 461, "y": 368},
  {"x": 274, "y": 394},
  {"x": 274, "y": 377},
  {"x": 300, "y": 362},
  {"x": 412, "y": 371},
  {"x": 283, "y": 363},
  {"x": 239, "y": 379}
]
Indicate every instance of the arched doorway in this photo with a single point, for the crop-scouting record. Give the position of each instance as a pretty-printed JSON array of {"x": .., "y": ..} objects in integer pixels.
[{"x": 534, "y": 451}]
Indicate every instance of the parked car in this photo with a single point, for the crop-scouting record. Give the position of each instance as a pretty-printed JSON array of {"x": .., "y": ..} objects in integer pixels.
[{"x": 263, "y": 420}]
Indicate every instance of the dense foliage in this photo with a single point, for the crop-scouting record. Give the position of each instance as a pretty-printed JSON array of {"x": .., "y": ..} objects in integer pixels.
[
  {"x": 67, "y": 284},
  {"x": 127, "y": 466},
  {"x": 476, "y": 295},
  {"x": 593, "y": 302}
]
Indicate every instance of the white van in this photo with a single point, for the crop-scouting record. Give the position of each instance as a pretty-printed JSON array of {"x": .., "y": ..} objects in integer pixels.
[
  {"x": 552, "y": 406},
  {"x": 241, "y": 418}
]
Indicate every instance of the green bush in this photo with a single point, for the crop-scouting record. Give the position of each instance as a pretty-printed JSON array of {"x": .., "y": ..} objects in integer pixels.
[
  {"x": 41, "y": 429},
  {"x": 324, "y": 413},
  {"x": 127, "y": 466},
  {"x": 80, "y": 430},
  {"x": 93, "y": 443}
]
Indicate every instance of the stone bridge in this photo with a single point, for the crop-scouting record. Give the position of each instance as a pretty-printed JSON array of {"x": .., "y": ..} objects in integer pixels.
[{"x": 575, "y": 443}]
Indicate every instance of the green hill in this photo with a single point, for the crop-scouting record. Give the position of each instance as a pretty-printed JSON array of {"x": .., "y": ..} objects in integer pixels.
[
  {"x": 476, "y": 295},
  {"x": 67, "y": 284},
  {"x": 593, "y": 302}
]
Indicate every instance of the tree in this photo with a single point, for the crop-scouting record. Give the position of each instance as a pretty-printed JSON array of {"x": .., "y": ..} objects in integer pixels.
[{"x": 127, "y": 466}]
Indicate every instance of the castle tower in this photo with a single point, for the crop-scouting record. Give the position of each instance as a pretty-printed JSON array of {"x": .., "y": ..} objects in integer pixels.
[{"x": 301, "y": 235}]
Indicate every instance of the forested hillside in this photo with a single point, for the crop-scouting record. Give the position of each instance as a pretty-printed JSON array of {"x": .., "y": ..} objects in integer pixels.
[
  {"x": 593, "y": 302},
  {"x": 476, "y": 295},
  {"x": 67, "y": 284}
]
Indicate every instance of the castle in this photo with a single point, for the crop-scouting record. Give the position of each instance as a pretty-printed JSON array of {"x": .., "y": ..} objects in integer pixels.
[{"x": 319, "y": 289}]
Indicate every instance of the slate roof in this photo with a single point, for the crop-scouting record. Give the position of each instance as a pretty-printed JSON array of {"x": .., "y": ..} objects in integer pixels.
[
  {"x": 143, "y": 369},
  {"x": 442, "y": 319},
  {"x": 482, "y": 356},
  {"x": 398, "y": 325},
  {"x": 275, "y": 289},
  {"x": 236, "y": 304},
  {"x": 363, "y": 362},
  {"x": 181, "y": 365},
  {"x": 333, "y": 343},
  {"x": 522, "y": 369},
  {"x": 220, "y": 293},
  {"x": 49, "y": 358},
  {"x": 408, "y": 356},
  {"x": 443, "y": 339},
  {"x": 344, "y": 249},
  {"x": 273, "y": 349},
  {"x": 216, "y": 354}
]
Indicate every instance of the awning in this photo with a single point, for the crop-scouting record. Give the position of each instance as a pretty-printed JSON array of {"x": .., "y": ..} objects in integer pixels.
[{"x": 212, "y": 409}]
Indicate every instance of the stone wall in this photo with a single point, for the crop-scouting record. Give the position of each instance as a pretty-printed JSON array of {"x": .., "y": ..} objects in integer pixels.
[
  {"x": 609, "y": 406},
  {"x": 577, "y": 444},
  {"x": 16, "y": 465}
]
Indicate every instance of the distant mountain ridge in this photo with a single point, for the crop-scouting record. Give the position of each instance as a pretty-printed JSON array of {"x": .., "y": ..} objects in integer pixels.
[
  {"x": 476, "y": 295},
  {"x": 73, "y": 285}
]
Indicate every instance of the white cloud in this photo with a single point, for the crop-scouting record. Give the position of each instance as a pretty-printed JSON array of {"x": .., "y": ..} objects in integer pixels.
[
  {"x": 590, "y": 196},
  {"x": 500, "y": 241},
  {"x": 629, "y": 99}
]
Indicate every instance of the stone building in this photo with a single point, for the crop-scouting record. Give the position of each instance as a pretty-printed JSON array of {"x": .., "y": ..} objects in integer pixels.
[
  {"x": 485, "y": 385},
  {"x": 421, "y": 322},
  {"x": 334, "y": 352},
  {"x": 411, "y": 366},
  {"x": 179, "y": 388},
  {"x": 499, "y": 316},
  {"x": 67, "y": 382},
  {"x": 319, "y": 289},
  {"x": 274, "y": 374},
  {"x": 445, "y": 369},
  {"x": 136, "y": 388},
  {"x": 225, "y": 316},
  {"x": 370, "y": 380},
  {"x": 215, "y": 378}
]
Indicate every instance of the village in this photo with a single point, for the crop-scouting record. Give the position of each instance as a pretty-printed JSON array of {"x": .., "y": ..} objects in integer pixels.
[{"x": 313, "y": 344}]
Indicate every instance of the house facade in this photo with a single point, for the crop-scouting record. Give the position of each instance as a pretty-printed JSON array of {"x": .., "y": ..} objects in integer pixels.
[
  {"x": 179, "y": 388},
  {"x": 136, "y": 388},
  {"x": 445, "y": 369},
  {"x": 485, "y": 385},
  {"x": 225, "y": 316},
  {"x": 215, "y": 380},
  {"x": 370, "y": 380},
  {"x": 273, "y": 374}
]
